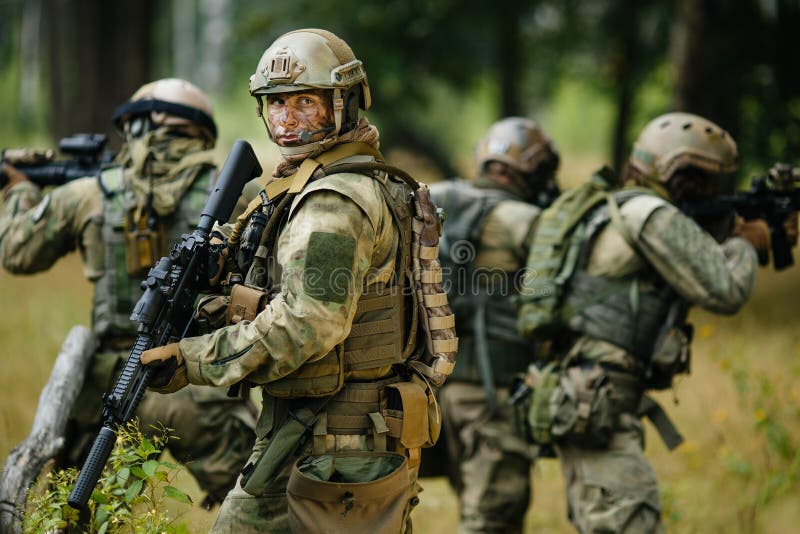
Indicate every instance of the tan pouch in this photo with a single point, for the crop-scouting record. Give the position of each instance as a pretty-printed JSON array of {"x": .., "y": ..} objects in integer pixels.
[
  {"x": 353, "y": 491},
  {"x": 246, "y": 302},
  {"x": 144, "y": 246},
  {"x": 412, "y": 413},
  {"x": 315, "y": 378}
]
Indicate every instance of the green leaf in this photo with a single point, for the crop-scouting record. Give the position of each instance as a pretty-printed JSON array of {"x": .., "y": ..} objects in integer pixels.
[
  {"x": 147, "y": 447},
  {"x": 124, "y": 474},
  {"x": 177, "y": 495},
  {"x": 103, "y": 528},
  {"x": 99, "y": 497},
  {"x": 150, "y": 467},
  {"x": 138, "y": 472},
  {"x": 133, "y": 490}
]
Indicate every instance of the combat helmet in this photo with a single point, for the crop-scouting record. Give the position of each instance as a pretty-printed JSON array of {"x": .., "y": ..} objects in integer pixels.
[
  {"x": 679, "y": 140},
  {"x": 168, "y": 102},
  {"x": 313, "y": 59},
  {"x": 519, "y": 143}
]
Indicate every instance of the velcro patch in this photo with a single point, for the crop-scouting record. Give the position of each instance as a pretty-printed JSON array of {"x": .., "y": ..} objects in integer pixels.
[{"x": 328, "y": 273}]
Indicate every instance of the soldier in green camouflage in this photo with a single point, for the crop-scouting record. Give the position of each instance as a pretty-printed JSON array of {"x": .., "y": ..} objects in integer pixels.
[
  {"x": 323, "y": 323},
  {"x": 641, "y": 263},
  {"x": 121, "y": 222},
  {"x": 483, "y": 249}
]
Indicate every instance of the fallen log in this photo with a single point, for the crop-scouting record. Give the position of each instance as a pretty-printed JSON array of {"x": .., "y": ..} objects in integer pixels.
[{"x": 46, "y": 439}]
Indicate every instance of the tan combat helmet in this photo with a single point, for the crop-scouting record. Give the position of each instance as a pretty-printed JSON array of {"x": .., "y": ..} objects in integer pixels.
[
  {"x": 313, "y": 59},
  {"x": 678, "y": 140},
  {"x": 169, "y": 102},
  {"x": 519, "y": 143}
]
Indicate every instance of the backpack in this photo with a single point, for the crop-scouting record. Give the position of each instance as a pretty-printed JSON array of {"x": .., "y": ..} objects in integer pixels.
[{"x": 557, "y": 240}]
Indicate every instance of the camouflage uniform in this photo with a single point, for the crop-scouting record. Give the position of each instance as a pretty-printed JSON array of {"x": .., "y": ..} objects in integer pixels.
[
  {"x": 329, "y": 346},
  {"x": 488, "y": 465},
  {"x": 215, "y": 432},
  {"x": 483, "y": 251},
  {"x": 658, "y": 256}
]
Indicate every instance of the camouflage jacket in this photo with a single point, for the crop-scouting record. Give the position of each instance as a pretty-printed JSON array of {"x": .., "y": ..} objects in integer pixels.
[
  {"x": 670, "y": 248},
  {"x": 337, "y": 224}
]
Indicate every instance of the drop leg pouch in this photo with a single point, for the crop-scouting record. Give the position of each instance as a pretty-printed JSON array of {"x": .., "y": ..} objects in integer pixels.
[{"x": 352, "y": 491}]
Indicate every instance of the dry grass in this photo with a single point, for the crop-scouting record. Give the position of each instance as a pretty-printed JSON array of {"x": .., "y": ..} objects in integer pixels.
[{"x": 739, "y": 410}]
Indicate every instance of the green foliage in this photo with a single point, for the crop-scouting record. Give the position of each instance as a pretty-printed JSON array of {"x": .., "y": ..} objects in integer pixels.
[{"x": 129, "y": 497}]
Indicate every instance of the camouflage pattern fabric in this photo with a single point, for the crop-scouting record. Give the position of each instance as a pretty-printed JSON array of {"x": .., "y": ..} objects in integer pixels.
[
  {"x": 487, "y": 465},
  {"x": 216, "y": 433},
  {"x": 338, "y": 225},
  {"x": 614, "y": 489},
  {"x": 491, "y": 465}
]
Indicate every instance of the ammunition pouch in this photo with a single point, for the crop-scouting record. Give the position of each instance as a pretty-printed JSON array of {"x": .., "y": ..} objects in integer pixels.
[
  {"x": 354, "y": 491},
  {"x": 245, "y": 303},
  {"x": 577, "y": 404},
  {"x": 145, "y": 243},
  {"x": 212, "y": 313}
]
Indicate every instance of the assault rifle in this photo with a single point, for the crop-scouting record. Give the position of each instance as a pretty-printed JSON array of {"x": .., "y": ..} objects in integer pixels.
[
  {"x": 165, "y": 311},
  {"x": 773, "y": 197},
  {"x": 85, "y": 157}
]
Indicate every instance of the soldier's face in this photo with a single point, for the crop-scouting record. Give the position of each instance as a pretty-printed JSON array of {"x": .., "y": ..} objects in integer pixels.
[{"x": 291, "y": 115}]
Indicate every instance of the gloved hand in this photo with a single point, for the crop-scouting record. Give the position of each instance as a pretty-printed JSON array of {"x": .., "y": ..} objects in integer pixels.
[
  {"x": 14, "y": 176},
  {"x": 790, "y": 227},
  {"x": 757, "y": 233},
  {"x": 169, "y": 370}
]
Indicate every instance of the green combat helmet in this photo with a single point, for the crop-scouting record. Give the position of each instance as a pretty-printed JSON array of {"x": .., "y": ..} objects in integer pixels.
[
  {"x": 313, "y": 59},
  {"x": 168, "y": 102},
  {"x": 519, "y": 143},
  {"x": 678, "y": 140}
]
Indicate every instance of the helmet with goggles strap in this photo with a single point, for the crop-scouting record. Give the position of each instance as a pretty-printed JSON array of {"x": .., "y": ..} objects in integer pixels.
[
  {"x": 167, "y": 102},
  {"x": 311, "y": 59}
]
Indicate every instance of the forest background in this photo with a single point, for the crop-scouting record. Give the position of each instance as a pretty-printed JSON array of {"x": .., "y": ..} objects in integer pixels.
[{"x": 591, "y": 72}]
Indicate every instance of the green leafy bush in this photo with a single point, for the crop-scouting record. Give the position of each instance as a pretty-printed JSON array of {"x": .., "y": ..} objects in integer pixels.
[{"x": 129, "y": 497}]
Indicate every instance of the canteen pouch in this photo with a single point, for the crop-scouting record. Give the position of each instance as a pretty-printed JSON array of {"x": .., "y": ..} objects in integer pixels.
[
  {"x": 352, "y": 491},
  {"x": 212, "y": 313},
  {"x": 145, "y": 244}
]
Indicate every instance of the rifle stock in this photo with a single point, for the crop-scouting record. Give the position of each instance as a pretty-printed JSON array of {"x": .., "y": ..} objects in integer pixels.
[{"x": 164, "y": 312}]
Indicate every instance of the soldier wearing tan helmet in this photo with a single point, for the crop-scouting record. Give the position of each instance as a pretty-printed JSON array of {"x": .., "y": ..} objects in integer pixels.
[
  {"x": 321, "y": 316},
  {"x": 639, "y": 264},
  {"x": 122, "y": 222},
  {"x": 484, "y": 246}
]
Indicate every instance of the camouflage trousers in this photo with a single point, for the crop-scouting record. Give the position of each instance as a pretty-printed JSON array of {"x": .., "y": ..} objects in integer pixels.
[
  {"x": 613, "y": 489},
  {"x": 489, "y": 467},
  {"x": 243, "y": 513},
  {"x": 216, "y": 433}
]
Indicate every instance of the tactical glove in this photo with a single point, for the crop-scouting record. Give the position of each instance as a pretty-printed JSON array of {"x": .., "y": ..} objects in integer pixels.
[
  {"x": 15, "y": 177},
  {"x": 757, "y": 233},
  {"x": 168, "y": 373}
]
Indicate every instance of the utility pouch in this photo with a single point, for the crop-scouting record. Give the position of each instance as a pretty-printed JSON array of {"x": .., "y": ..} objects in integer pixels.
[
  {"x": 412, "y": 414},
  {"x": 353, "y": 491},
  {"x": 575, "y": 404},
  {"x": 245, "y": 303},
  {"x": 671, "y": 356},
  {"x": 212, "y": 313},
  {"x": 145, "y": 243},
  {"x": 257, "y": 477}
]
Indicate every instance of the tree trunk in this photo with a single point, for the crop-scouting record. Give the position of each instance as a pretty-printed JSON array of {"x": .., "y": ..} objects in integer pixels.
[
  {"x": 624, "y": 61},
  {"x": 99, "y": 54},
  {"x": 714, "y": 48},
  {"x": 509, "y": 58},
  {"x": 46, "y": 439}
]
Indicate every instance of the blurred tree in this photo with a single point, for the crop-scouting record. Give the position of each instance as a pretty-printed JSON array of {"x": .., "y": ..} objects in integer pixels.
[{"x": 98, "y": 54}]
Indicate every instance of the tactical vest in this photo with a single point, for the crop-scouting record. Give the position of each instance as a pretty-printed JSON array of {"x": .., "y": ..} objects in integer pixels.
[
  {"x": 483, "y": 300},
  {"x": 628, "y": 312},
  {"x": 115, "y": 292}
]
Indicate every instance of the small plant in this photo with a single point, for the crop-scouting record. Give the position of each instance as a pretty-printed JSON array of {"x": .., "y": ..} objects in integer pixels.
[{"x": 129, "y": 497}]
